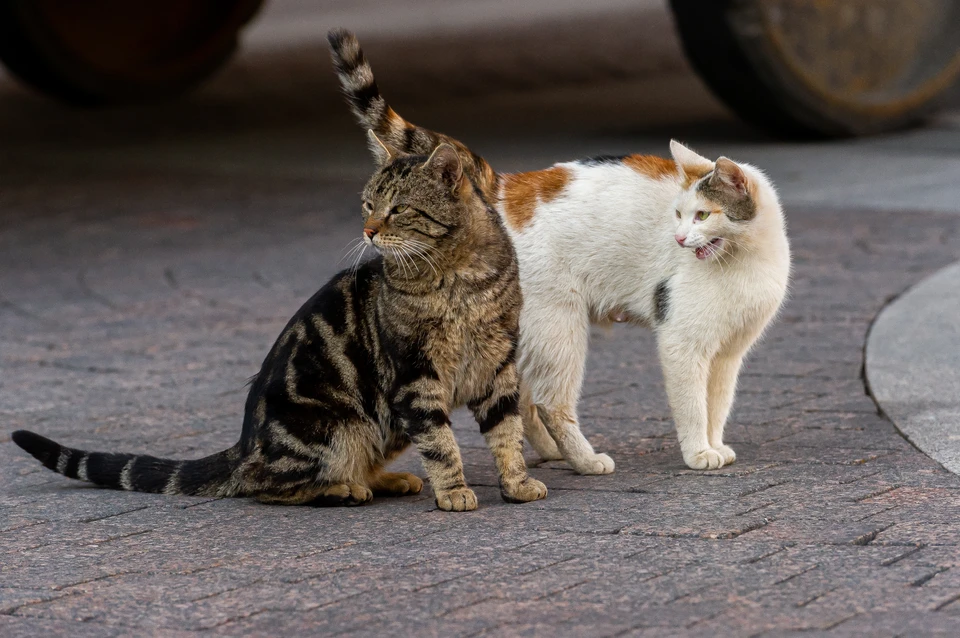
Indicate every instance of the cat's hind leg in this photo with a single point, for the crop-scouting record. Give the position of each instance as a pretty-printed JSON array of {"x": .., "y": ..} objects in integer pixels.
[
  {"x": 534, "y": 430},
  {"x": 323, "y": 495},
  {"x": 553, "y": 352},
  {"x": 285, "y": 468}
]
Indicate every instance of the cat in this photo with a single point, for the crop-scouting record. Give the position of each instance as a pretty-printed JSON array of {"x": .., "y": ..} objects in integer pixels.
[
  {"x": 695, "y": 249},
  {"x": 375, "y": 360}
]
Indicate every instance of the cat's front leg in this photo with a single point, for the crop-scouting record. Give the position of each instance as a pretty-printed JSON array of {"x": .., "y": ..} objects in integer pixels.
[
  {"x": 724, "y": 371},
  {"x": 498, "y": 413},
  {"x": 686, "y": 372},
  {"x": 426, "y": 420},
  {"x": 441, "y": 460}
]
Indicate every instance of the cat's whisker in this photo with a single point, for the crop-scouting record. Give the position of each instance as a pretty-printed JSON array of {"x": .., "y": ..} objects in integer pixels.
[
  {"x": 718, "y": 253},
  {"x": 355, "y": 255},
  {"x": 416, "y": 250},
  {"x": 426, "y": 248},
  {"x": 433, "y": 266},
  {"x": 403, "y": 257},
  {"x": 406, "y": 255},
  {"x": 389, "y": 251},
  {"x": 434, "y": 259},
  {"x": 356, "y": 264},
  {"x": 398, "y": 256},
  {"x": 720, "y": 261},
  {"x": 351, "y": 246},
  {"x": 359, "y": 251},
  {"x": 734, "y": 255},
  {"x": 423, "y": 244}
]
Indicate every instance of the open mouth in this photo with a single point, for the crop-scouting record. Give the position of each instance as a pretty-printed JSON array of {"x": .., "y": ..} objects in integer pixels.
[{"x": 708, "y": 249}]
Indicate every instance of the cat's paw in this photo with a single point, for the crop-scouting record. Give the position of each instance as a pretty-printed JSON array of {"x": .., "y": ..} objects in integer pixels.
[
  {"x": 397, "y": 484},
  {"x": 529, "y": 489},
  {"x": 346, "y": 494},
  {"x": 729, "y": 456},
  {"x": 592, "y": 464},
  {"x": 461, "y": 499},
  {"x": 708, "y": 459}
]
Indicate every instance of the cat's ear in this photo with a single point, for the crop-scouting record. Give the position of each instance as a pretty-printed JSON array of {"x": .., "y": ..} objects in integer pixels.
[
  {"x": 382, "y": 153},
  {"x": 689, "y": 162},
  {"x": 445, "y": 163},
  {"x": 730, "y": 177}
]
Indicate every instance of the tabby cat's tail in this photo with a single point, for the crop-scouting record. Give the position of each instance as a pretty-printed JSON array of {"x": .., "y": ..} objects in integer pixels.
[
  {"x": 373, "y": 112},
  {"x": 210, "y": 476}
]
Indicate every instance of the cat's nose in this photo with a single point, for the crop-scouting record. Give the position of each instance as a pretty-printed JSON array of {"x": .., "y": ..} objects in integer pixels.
[
  {"x": 680, "y": 239},
  {"x": 369, "y": 232}
]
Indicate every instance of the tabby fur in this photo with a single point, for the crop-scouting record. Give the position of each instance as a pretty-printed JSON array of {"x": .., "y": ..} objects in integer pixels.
[{"x": 378, "y": 358}]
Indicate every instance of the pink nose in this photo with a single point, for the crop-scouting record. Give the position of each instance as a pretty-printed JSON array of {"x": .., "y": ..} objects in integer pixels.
[
  {"x": 369, "y": 232},
  {"x": 680, "y": 239}
]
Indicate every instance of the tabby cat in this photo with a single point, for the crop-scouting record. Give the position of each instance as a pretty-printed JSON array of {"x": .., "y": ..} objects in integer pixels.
[
  {"x": 694, "y": 249},
  {"x": 376, "y": 359}
]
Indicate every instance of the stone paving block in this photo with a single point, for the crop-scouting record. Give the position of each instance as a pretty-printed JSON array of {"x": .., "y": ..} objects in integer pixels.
[
  {"x": 752, "y": 621},
  {"x": 936, "y": 532},
  {"x": 21, "y": 627},
  {"x": 13, "y": 598},
  {"x": 899, "y": 624}
]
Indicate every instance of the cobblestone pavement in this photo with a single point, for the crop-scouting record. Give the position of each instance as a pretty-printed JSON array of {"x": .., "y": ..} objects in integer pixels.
[{"x": 134, "y": 305}]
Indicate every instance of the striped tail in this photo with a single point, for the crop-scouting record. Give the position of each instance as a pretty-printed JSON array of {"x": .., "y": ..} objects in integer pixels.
[
  {"x": 210, "y": 476},
  {"x": 373, "y": 112}
]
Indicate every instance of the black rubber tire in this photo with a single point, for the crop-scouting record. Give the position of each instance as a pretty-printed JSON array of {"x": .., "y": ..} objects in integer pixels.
[
  {"x": 733, "y": 50},
  {"x": 34, "y": 48}
]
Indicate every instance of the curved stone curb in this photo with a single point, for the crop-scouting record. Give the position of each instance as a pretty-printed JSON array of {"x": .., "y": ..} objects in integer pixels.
[{"x": 913, "y": 365}]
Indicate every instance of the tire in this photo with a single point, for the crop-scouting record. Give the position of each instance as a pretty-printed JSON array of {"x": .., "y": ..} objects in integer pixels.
[
  {"x": 802, "y": 68},
  {"x": 101, "y": 52}
]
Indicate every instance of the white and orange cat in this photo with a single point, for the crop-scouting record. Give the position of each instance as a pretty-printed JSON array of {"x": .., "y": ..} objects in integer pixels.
[{"x": 695, "y": 249}]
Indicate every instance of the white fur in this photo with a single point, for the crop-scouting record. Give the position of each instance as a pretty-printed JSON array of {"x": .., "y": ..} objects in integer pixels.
[{"x": 600, "y": 248}]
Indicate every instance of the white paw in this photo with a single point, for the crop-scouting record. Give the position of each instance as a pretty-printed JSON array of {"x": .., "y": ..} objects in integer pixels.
[
  {"x": 708, "y": 459},
  {"x": 593, "y": 464},
  {"x": 729, "y": 456}
]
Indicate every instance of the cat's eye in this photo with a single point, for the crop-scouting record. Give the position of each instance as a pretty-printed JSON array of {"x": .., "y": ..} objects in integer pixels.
[
  {"x": 702, "y": 215},
  {"x": 402, "y": 208}
]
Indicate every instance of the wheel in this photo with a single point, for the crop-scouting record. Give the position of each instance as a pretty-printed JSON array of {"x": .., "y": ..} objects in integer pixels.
[
  {"x": 824, "y": 68},
  {"x": 114, "y": 51}
]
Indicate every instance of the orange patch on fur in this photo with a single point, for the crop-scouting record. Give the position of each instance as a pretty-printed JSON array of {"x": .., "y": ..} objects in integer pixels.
[
  {"x": 652, "y": 166},
  {"x": 396, "y": 122},
  {"x": 523, "y": 191},
  {"x": 691, "y": 177}
]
